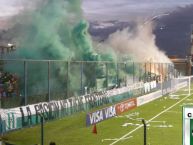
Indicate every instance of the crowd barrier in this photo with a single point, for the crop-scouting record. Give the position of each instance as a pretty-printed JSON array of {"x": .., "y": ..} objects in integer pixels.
[
  {"x": 26, "y": 116},
  {"x": 118, "y": 109},
  {"x": 29, "y": 115},
  {"x": 47, "y": 80}
]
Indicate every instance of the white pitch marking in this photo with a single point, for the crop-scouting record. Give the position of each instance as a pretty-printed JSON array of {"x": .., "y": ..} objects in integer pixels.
[
  {"x": 132, "y": 114},
  {"x": 160, "y": 126},
  {"x": 173, "y": 111},
  {"x": 131, "y": 118},
  {"x": 173, "y": 95},
  {"x": 130, "y": 124},
  {"x": 183, "y": 94},
  {"x": 120, "y": 116},
  {"x": 187, "y": 89},
  {"x": 158, "y": 121},
  {"x": 124, "y": 136},
  {"x": 186, "y": 104},
  {"x": 128, "y": 115},
  {"x": 136, "y": 119},
  {"x": 116, "y": 139},
  {"x": 163, "y": 126},
  {"x": 189, "y": 99}
]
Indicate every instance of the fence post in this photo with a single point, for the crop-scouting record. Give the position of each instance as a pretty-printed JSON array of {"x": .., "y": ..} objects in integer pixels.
[
  {"x": 174, "y": 75},
  {"x": 139, "y": 71},
  {"x": 169, "y": 69},
  {"x": 155, "y": 69},
  {"x": 150, "y": 70},
  {"x": 81, "y": 78},
  {"x": 107, "y": 75},
  {"x": 145, "y": 72},
  {"x": 25, "y": 82},
  {"x": 118, "y": 85},
  {"x": 95, "y": 76},
  {"x": 125, "y": 73},
  {"x": 49, "y": 99},
  {"x": 67, "y": 85},
  {"x": 162, "y": 77},
  {"x": 167, "y": 79},
  {"x": 159, "y": 71},
  {"x": 133, "y": 72}
]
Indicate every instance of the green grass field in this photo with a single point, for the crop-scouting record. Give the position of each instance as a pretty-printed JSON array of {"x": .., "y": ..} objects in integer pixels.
[{"x": 165, "y": 127}]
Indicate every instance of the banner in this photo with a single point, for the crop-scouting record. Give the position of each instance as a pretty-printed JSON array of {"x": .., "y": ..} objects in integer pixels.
[
  {"x": 149, "y": 86},
  {"x": 109, "y": 112},
  {"x": 100, "y": 115},
  {"x": 122, "y": 90},
  {"x": 19, "y": 117},
  {"x": 148, "y": 98},
  {"x": 126, "y": 106}
]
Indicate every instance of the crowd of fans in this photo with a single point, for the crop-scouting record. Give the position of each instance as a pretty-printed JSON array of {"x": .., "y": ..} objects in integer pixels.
[{"x": 8, "y": 85}]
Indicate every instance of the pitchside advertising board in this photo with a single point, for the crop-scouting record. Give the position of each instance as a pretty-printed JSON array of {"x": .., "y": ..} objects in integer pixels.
[
  {"x": 109, "y": 112},
  {"x": 19, "y": 117},
  {"x": 188, "y": 125}
]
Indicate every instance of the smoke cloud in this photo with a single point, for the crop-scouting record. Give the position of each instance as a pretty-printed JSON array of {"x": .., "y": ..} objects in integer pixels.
[
  {"x": 56, "y": 30},
  {"x": 138, "y": 44},
  {"x": 53, "y": 30}
]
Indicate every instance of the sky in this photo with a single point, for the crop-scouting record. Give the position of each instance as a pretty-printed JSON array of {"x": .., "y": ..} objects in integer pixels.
[
  {"x": 8, "y": 8},
  {"x": 123, "y": 10},
  {"x": 126, "y": 10},
  {"x": 12, "y": 7},
  {"x": 129, "y": 9}
]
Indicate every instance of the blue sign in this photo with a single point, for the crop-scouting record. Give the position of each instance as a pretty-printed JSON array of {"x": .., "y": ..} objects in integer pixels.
[{"x": 100, "y": 115}]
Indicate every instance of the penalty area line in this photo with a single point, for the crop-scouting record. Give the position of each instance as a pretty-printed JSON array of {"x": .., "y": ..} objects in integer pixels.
[{"x": 129, "y": 133}]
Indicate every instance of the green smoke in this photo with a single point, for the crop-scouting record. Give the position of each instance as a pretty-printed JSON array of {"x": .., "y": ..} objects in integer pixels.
[
  {"x": 54, "y": 30},
  {"x": 82, "y": 41}
]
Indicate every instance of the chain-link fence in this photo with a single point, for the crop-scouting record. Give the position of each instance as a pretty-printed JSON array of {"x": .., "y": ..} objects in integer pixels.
[{"x": 24, "y": 82}]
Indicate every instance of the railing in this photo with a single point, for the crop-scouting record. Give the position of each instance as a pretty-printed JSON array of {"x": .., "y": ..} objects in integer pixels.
[{"x": 46, "y": 80}]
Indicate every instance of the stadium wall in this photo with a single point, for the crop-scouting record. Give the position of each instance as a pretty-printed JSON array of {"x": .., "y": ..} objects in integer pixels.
[
  {"x": 118, "y": 109},
  {"x": 26, "y": 116}
]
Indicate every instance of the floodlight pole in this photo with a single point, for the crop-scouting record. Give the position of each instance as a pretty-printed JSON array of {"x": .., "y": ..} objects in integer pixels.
[{"x": 145, "y": 131}]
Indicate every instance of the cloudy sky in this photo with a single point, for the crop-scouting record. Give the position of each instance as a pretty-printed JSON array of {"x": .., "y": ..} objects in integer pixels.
[
  {"x": 12, "y": 7},
  {"x": 129, "y": 9},
  {"x": 108, "y": 9},
  {"x": 8, "y": 8}
]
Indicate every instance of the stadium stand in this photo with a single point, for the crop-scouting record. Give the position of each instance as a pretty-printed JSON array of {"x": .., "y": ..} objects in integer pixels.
[{"x": 8, "y": 85}]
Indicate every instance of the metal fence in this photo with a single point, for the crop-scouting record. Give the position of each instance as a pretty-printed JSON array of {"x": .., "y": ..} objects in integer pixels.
[{"x": 46, "y": 80}]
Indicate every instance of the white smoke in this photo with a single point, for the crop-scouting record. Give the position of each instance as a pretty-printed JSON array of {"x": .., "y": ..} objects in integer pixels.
[{"x": 138, "y": 45}]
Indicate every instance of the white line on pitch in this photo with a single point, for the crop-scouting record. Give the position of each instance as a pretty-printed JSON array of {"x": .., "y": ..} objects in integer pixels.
[
  {"x": 124, "y": 136},
  {"x": 116, "y": 139}
]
